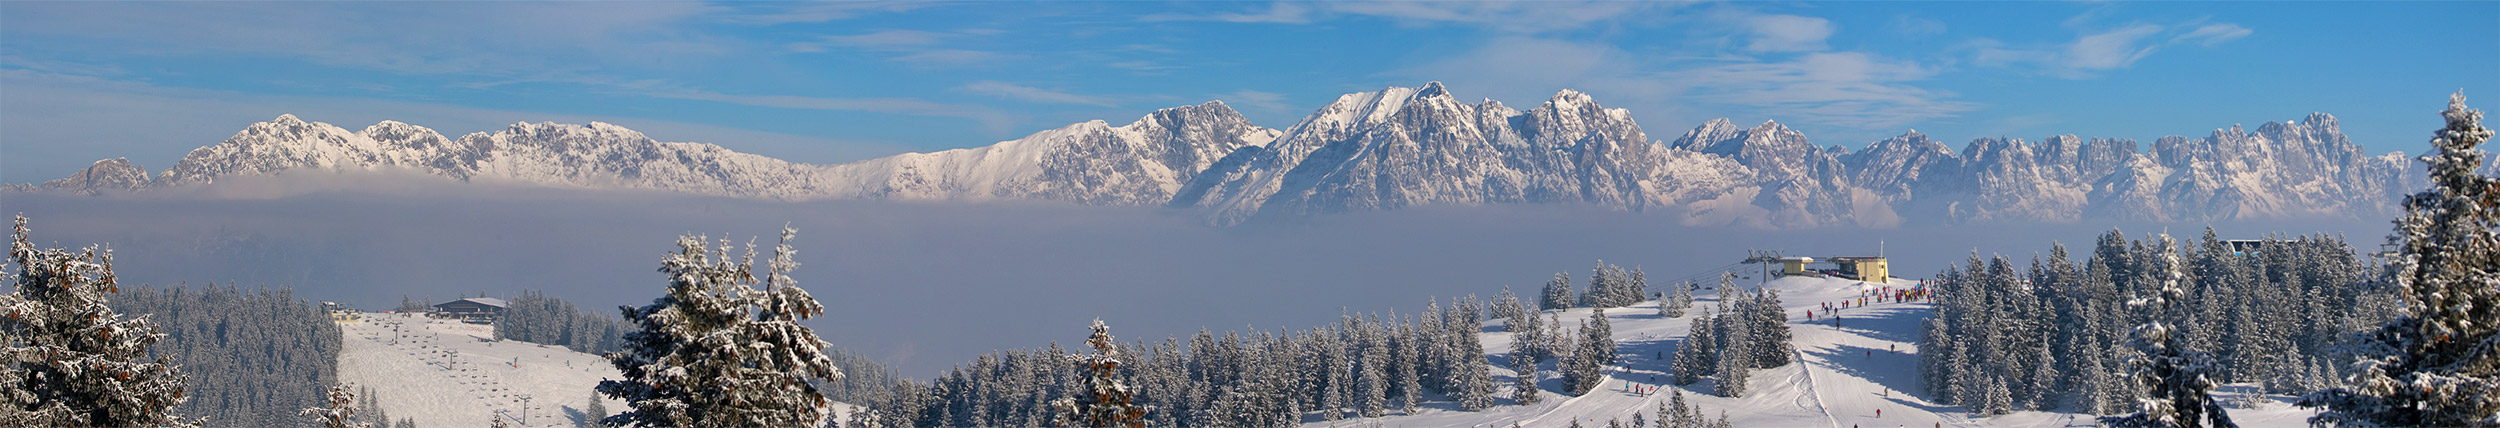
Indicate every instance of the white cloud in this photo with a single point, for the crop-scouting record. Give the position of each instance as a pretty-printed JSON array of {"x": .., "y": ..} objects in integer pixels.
[
  {"x": 1031, "y": 94},
  {"x": 887, "y": 39},
  {"x": 1282, "y": 12},
  {"x": 2213, "y": 34},
  {"x": 1787, "y": 33},
  {"x": 1840, "y": 89},
  {"x": 775, "y": 13},
  {"x": 2094, "y": 53},
  {"x": 992, "y": 120},
  {"x": 1264, "y": 102},
  {"x": 947, "y": 58},
  {"x": 1847, "y": 89},
  {"x": 488, "y": 39},
  {"x": 2111, "y": 49},
  {"x": 1497, "y": 15}
]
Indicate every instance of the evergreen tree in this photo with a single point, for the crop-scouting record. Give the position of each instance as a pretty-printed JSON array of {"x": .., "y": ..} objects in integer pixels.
[
  {"x": 1598, "y": 336},
  {"x": 1734, "y": 368},
  {"x": 368, "y": 403},
  {"x": 1514, "y": 313},
  {"x": 1696, "y": 357},
  {"x": 1580, "y": 371},
  {"x": 70, "y": 360},
  {"x": 1523, "y": 385},
  {"x": 342, "y": 410},
  {"x": 2177, "y": 381},
  {"x": 1770, "y": 329},
  {"x": 2438, "y": 362},
  {"x": 1103, "y": 400},
  {"x": 715, "y": 351},
  {"x": 1557, "y": 293},
  {"x": 596, "y": 410}
]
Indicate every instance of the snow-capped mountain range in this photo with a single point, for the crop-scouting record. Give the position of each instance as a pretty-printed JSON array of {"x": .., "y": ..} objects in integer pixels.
[{"x": 1402, "y": 147}]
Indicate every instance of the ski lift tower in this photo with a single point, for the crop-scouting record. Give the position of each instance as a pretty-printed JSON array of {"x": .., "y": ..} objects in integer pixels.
[{"x": 1765, "y": 258}]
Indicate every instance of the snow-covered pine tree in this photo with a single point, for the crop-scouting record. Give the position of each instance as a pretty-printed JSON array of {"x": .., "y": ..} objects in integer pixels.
[
  {"x": 1527, "y": 338},
  {"x": 1514, "y": 313},
  {"x": 1601, "y": 290},
  {"x": 1599, "y": 338},
  {"x": 1671, "y": 411},
  {"x": 1579, "y": 369},
  {"x": 1637, "y": 288},
  {"x": 1410, "y": 386},
  {"x": 406, "y": 423},
  {"x": 2438, "y": 362},
  {"x": 2176, "y": 381},
  {"x": 1696, "y": 356},
  {"x": 367, "y": 402},
  {"x": 1103, "y": 399},
  {"x": 342, "y": 410},
  {"x": 596, "y": 410},
  {"x": 1523, "y": 388},
  {"x": 1734, "y": 369},
  {"x": 1775, "y": 345},
  {"x": 1471, "y": 376},
  {"x": 70, "y": 360},
  {"x": 1557, "y": 293},
  {"x": 715, "y": 351}
]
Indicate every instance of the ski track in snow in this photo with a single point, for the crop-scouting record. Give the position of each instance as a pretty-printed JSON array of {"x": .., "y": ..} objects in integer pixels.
[
  {"x": 1869, "y": 362},
  {"x": 444, "y": 373}
]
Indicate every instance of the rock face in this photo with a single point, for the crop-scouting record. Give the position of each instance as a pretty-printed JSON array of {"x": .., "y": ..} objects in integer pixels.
[
  {"x": 1419, "y": 146},
  {"x": 1092, "y": 163},
  {"x": 1401, "y": 147},
  {"x": 109, "y": 175}
]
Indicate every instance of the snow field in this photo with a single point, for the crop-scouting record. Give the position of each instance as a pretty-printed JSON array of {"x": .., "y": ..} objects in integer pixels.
[
  {"x": 448, "y": 374},
  {"x": 1843, "y": 377}
]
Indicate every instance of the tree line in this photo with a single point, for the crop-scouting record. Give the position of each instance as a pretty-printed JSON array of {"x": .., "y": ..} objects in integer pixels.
[
  {"x": 249, "y": 358},
  {"x": 535, "y": 317}
]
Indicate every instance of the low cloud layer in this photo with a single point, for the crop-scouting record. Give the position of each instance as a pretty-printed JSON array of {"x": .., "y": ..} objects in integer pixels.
[{"x": 925, "y": 286}]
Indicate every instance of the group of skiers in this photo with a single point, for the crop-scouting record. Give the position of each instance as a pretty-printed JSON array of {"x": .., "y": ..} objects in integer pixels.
[{"x": 1877, "y": 295}]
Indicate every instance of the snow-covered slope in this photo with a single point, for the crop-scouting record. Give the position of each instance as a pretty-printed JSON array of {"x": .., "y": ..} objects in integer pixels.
[
  {"x": 1846, "y": 374},
  {"x": 448, "y": 374}
]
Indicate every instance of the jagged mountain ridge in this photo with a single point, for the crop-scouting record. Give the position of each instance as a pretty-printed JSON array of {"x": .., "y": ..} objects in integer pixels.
[
  {"x": 1402, "y": 147},
  {"x": 1093, "y": 162}
]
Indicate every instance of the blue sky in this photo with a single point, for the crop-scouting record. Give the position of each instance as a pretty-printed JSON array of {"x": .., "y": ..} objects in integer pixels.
[{"x": 832, "y": 82}]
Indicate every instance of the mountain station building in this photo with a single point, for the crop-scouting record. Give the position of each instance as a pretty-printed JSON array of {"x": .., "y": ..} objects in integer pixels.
[{"x": 470, "y": 308}]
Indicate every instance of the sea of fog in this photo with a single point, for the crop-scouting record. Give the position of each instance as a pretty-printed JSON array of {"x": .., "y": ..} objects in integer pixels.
[{"x": 924, "y": 286}]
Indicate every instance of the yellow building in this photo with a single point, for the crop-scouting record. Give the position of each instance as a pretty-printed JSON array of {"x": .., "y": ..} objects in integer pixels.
[
  {"x": 1794, "y": 265},
  {"x": 1869, "y": 269}
]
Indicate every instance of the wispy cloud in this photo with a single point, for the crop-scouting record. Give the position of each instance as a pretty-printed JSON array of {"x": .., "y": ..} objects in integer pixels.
[
  {"x": 776, "y": 13},
  {"x": 1031, "y": 94},
  {"x": 2097, "y": 52},
  {"x": 1504, "y": 16},
  {"x": 1263, "y": 102},
  {"x": 1787, "y": 33},
  {"x": 2213, "y": 34},
  {"x": 1282, "y": 12},
  {"x": 952, "y": 58},
  {"x": 1848, "y": 89},
  {"x": 883, "y": 40},
  {"x": 424, "y": 38},
  {"x": 994, "y": 120}
]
